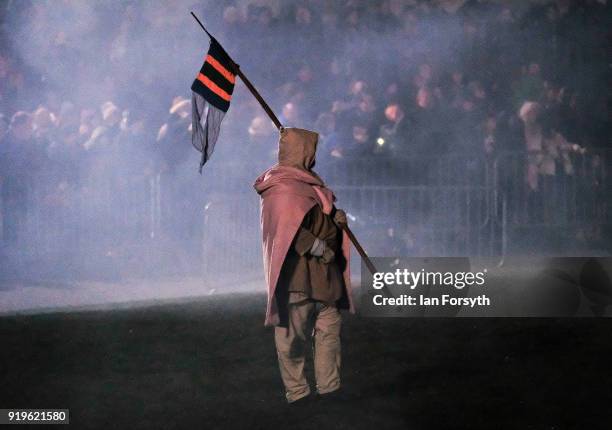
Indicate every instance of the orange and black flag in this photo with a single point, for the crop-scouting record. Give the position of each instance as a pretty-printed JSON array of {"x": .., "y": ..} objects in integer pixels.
[{"x": 212, "y": 91}]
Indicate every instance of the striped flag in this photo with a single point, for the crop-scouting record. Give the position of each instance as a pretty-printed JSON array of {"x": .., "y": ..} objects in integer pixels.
[{"x": 211, "y": 94}]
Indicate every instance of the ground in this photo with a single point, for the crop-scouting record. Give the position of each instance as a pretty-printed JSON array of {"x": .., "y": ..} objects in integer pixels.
[{"x": 210, "y": 363}]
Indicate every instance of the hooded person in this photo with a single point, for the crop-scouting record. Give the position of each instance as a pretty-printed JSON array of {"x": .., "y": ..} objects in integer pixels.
[{"x": 306, "y": 263}]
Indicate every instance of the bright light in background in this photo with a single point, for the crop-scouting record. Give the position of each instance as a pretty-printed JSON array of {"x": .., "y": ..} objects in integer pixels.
[{"x": 380, "y": 141}]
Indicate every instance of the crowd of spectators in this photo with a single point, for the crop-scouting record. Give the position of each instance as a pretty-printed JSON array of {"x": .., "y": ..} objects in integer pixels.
[{"x": 105, "y": 87}]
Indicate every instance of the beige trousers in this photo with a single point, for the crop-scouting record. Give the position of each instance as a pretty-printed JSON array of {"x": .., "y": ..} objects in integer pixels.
[{"x": 291, "y": 347}]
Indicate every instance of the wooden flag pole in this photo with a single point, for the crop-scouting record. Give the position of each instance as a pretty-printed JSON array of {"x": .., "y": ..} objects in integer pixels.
[
  {"x": 278, "y": 125},
  {"x": 360, "y": 250}
]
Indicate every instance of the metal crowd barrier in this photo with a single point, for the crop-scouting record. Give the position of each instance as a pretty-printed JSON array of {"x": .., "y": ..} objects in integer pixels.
[
  {"x": 562, "y": 196},
  {"x": 423, "y": 206},
  {"x": 400, "y": 206}
]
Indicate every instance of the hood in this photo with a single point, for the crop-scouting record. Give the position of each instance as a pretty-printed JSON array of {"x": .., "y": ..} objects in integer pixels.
[
  {"x": 279, "y": 175},
  {"x": 297, "y": 148}
]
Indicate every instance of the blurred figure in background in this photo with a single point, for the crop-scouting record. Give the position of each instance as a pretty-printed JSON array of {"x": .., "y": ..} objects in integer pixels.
[
  {"x": 20, "y": 159},
  {"x": 172, "y": 133}
]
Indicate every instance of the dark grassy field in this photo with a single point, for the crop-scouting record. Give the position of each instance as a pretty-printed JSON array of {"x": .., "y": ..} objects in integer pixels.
[{"x": 211, "y": 364}]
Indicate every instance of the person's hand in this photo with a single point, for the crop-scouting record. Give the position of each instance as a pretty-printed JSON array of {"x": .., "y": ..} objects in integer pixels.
[
  {"x": 340, "y": 218},
  {"x": 328, "y": 255}
]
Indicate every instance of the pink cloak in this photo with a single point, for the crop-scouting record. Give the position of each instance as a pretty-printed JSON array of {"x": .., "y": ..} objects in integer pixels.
[{"x": 287, "y": 194}]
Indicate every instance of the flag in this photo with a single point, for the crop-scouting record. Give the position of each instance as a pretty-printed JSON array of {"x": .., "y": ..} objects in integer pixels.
[{"x": 211, "y": 94}]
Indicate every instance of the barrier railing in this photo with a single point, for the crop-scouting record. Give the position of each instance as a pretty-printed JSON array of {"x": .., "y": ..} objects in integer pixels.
[
  {"x": 540, "y": 189},
  {"x": 427, "y": 206},
  {"x": 562, "y": 195}
]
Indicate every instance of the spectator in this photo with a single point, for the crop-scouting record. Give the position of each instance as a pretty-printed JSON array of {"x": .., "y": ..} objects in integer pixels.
[
  {"x": 20, "y": 159},
  {"x": 175, "y": 129}
]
